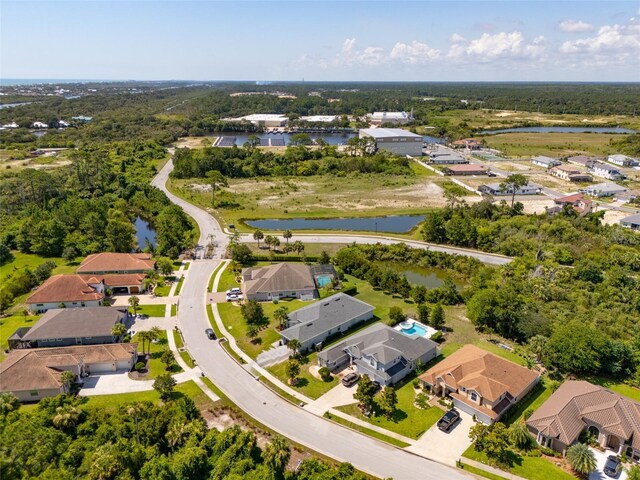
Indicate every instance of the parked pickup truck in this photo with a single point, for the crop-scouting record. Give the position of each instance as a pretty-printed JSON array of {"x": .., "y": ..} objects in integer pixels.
[{"x": 448, "y": 420}]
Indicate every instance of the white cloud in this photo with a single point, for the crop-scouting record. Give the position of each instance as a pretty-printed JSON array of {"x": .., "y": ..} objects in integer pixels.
[
  {"x": 614, "y": 43},
  {"x": 414, "y": 53},
  {"x": 575, "y": 26},
  {"x": 457, "y": 38},
  {"x": 503, "y": 45}
]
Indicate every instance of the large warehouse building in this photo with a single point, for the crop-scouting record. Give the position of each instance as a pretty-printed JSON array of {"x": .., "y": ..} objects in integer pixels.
[{"x": 395, "y": 140}]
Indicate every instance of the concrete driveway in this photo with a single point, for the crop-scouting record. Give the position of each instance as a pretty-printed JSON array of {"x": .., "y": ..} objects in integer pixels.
[
  {"x": 113, "y": 382},
  {"x": 217, "y": 297},
  {"x": 146, "y": 324},
  {"x": 445, "y": 447},
  {"x": 601, "y": 459},
  {"x": 337, "y": 396}
]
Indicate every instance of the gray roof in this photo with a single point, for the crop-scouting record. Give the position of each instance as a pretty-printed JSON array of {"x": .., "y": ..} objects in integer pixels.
[
  {"x": 381, "y": 341},
  {"x": 313, "y": 320},
  {"x": 604, "y": 166},
  {"x": 282, "y": 277},
  {"x": 76, "y": 322},
  {"x": 388, "y": 132},
  {"x": 635, "y": 219},
  {"x": 605, "y": 187}
]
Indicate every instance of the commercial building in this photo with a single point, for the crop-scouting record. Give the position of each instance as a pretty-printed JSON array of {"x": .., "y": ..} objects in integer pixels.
[
  {"x": 384, "y": 354},
  {"x": 320, "y": 118},
  {"x": 333, "y": 315},
  {"x": 479, "y": 382},
  {"x": 397, "y": 118},
  {"x": 395, "y": 140}
]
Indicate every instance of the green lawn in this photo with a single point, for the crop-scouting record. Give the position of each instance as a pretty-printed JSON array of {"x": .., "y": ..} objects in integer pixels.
[
  {"x": 381, "y": 301},
  {"x": 409, "y": 420},
  {"x": 174, "y": 310},
  {"x": 8, "y": 325},
  {"x": 620, "y": 388},
  {"x": 227, "y": 280},
  {"x": 213, "y": 277},
  {"x": 307, "y": 384},
  {"x": 179, "y": 287},
  {"x": 151, "y": 310},
  {"x": 163, "y": 291},
  {"x": 531, "y": 468},
  {"x": 481, "y": 473},
  {"x": 22, "y": 260},
  {"x": 219, "y": 334},
  {"x": 366, "y": 431},
  {"x": 113, "y": 402},
  {"x": 184, "y": 354},
  {"x": 537, "y": 397},
  {"x": 156, "y": 367}
]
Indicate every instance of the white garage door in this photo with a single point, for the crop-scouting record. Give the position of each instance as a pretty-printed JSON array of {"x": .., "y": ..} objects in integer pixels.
[
  {"x": 101, "y": 367},
  {"x": 123, "y": 365}
]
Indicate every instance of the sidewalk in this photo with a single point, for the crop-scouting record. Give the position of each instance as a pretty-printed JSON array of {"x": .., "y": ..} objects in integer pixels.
[{"x": 494, "y": 471}]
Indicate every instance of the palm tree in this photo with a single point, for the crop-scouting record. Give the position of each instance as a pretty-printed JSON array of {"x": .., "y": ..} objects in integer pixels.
[
  {"x": 134, "y": 410},
  {"x": 281, "y": 316},
  {"x": 216, "y": 179},
  {"x": 292, "y": 370},
  {"x": 144, "y": 337},
  {"x": 156, "y": 333},
  {"x": 276, "y": 455},
  {"x": 134, "y": 302},
  {"x": 294, "y": 345},
  {"x": 118, "y": 331},
  {"x": 581, "y": 458},
  {"x": 287, "y": 235},
  {"x": 519, "y": 435},
  {"x": 537, "y": 345},
  {"x": 258, "y": 235},
  {"x": 298, "y": 246},
  {"x": 66, "y": 417},
  {"x": 67, "y": 378}
]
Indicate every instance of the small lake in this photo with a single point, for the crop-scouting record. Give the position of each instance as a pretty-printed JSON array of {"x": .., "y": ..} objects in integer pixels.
[
  {"x": 144, "y": 232},
  {"x": 429, "y": 277},
  {"x": 330, "y": 138},
  {"x": 559, "y": 130},
  {"x": 392, "y": 224}
]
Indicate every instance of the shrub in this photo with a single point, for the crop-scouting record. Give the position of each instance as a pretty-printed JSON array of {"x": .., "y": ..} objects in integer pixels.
[
  {"x": 416, "y": 383},
  {"x": 437, "y": 337},
  {"x": 140, "y": 366},
  {"x": 325, "y": 373},
  {"x": 527, "y": 413}
]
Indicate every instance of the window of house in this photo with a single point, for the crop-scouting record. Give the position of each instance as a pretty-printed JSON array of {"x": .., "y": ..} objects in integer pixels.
[
  {"x": 39, "y": 304},
  {"x": 33, "y": 393},
  {"x": 474, "y": 396}
]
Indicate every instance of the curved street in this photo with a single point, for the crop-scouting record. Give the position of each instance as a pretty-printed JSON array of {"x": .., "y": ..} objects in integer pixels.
[{"x": 365, "y": 453}]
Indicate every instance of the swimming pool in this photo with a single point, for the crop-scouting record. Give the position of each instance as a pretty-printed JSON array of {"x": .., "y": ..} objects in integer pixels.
[
  {"x": 412, "y": 328},
  {"x": 324, "y": 280}
]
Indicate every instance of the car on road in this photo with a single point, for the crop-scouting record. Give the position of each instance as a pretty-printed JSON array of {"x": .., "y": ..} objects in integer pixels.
[
  {"x": 210, "y": 333},
  {"x": 612, "y": 466},
  {"x": 448, "y": 420},
  {"x": 350, "y": 379}
]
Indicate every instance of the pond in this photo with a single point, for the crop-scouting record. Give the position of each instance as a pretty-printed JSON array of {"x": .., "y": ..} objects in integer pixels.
[
  {"x": 144, "y": 232},
  {"x": 391, "y": 224},
  {"x": 560, "y": 130},
  {"x": 429, "y": 277}
]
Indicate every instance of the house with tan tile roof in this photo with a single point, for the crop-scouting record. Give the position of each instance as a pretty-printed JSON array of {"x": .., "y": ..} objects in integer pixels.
[
  {"x": 480, "y": 383},
  {"x": 282, "y": 280},
  {"x": 68, "y": 291},
  {"x": 114, "y": 263},
  {"x": 577, "y": 406},
  {"x": 32, "y": 374}
]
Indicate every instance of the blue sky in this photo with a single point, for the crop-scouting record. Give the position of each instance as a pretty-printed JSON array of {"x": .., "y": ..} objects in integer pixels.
[{"x": 330, "y": 40}]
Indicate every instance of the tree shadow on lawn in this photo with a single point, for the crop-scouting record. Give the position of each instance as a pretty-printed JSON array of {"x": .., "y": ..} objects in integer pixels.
[{"x": 301, "y": 382}]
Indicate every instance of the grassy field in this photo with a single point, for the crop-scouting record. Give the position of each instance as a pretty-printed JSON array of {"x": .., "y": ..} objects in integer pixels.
[
  {"x": 155, "y": 366},
  {"x": 366, "y": 431},
  {"x": 531, "y": 468},
  {"x": 310, "y": 249},
  {"x": 317, "y": 196},
  {"x": 409, "y": 420},
  {"x": 8, "y": 325},
  {"x": 151, "y": 310},
  {"x": 524, "y": 144},
  {"x": 620, "y": 388}
]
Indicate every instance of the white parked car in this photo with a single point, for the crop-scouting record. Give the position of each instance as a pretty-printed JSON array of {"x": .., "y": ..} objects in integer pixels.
[
  {"x": 233, "y": 297},
  {"x": 234, "y": 291}
]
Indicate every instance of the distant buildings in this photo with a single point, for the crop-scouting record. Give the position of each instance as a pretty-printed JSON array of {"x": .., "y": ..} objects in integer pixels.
[
  {"x": 395, "y": 140},
  {"x": 263, "y": 119},
  {"x": 545, "y": 162},
  {"x": 622, "y": 160},
  {"x": 496, "y": 189},
  {"x": 467, "y": 169},
  {"x": 577, "y": 202},
  {"x": 569, "y": 173},
  {"x": 39, "y": 125},
  {"x": 582, "y": 160},
  {"x": 609, "y": 172},
  {"x": 469, "y": 143},
  {"x": 320, "y": 118},
  {"x": 603, "y": 190},
  {"x": 446, "y": 157},
  {"x": 397, "y": 118}
]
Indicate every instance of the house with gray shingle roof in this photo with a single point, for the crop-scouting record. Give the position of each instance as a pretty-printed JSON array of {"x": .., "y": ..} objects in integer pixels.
[
  {"x": 577, "y": 406},
  {"x": 282, "y": 280},
  {"x": 384, "y": 354},
  {"x": 333, "y": 315}
]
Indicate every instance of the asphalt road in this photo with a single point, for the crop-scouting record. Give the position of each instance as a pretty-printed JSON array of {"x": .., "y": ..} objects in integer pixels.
[{"x": 365, "y": 453}]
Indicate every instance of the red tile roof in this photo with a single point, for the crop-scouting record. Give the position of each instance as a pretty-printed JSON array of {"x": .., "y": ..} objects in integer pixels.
[
  {"x": 116, "y": 262},
  {"x": 64, "y": 288}
]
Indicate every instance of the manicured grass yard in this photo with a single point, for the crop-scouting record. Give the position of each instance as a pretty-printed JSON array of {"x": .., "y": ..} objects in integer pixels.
[
  {"x": 22, "y": 260},
  {"x": 307, "y": 384},
  {"x": 8, "y": 325},
  {"x": 409, "y": 420},
  {"x": 150, "y": 310},
  {"x": 366, "y": 431},
  {"x": 179, "y": 287},
  {"x": 481, "y": 473},
  {"x": 531, "y": 468},
  {"x": 180, "y": 344},
  {"x": 155, "y": 366}
]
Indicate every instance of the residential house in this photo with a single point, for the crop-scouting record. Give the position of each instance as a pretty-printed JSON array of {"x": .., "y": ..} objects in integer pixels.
[
  {"x": 119, "y": 272},
  {"x": 67, "y": 291},
  {"x": 622, "y": 160},
  {"x": 384, "y": 354},
  {"x": 480, "y": 383},
  {"x": 468, "y": 169},
  {"x": 32, "y": 374},
  {"x": 62, "y": 327},
  {"x": 632, "y": 222},
  {"x": 444, "y": 157},
  {"x": 569, "y": 173},
  {"x": 468, "y": 143},
  {"x": 497, "y": 190},
  {"x": 545, "y": 162},
  {"x": 333, "y": 315},
  {"x": 282, "y": 280},
  {"x": 609, "y": 172},
  {"x": 577, "y": 201},
  {"x": 603, "y": 190},
  {"x": 578, "y": 406},
  {"x": 582, "y": 160}
]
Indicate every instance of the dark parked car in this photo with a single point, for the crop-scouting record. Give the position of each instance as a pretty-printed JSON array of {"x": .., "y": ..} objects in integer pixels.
[
  {"x": 613, "y": 466},
  {"x": 448, "y": 420},
  {"x": 210, "y": 333},
  {"x": 350, "y": 379}
]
